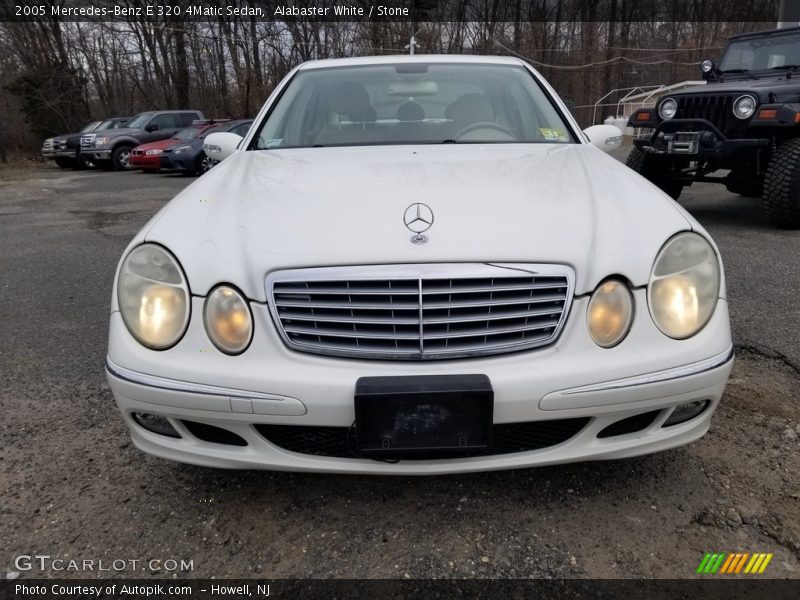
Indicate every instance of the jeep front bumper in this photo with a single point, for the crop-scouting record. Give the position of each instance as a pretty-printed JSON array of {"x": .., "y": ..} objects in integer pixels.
[{"x": 695, "y": 139}]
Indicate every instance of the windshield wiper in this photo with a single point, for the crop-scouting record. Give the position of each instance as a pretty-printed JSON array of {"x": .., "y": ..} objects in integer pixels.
[
  {"x": 449, "y": 141},
  {"x": 734, "y": 71},
  {"x": 785, "y": 67}
]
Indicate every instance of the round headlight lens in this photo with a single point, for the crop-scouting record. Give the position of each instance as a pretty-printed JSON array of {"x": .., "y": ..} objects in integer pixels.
[
  {"x": 228, "y": 321},
  {"x": 684, "y": 285},
  {"x": 610, "y": 313},
  {"x": 744, "y": 107},
  {"x": 667, "y": 109},
  {"x": 153, "y": 297}
]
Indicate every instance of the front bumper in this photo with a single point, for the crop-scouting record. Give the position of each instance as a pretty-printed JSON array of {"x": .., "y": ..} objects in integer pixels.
[
  {"x": 270, "y": 384},
  {"x": 148, "y": 163},
  {"x": 93, "y": 154},
  {"x": 695, "y": 139},
  {"x": 171, "y": 162}
]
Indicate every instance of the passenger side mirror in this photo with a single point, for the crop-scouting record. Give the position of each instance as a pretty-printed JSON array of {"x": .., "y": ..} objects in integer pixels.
[
  {"x": 219, "y": 146},
  {"x": 151, "y": 127},
  {"x": 605, "y": 137}
]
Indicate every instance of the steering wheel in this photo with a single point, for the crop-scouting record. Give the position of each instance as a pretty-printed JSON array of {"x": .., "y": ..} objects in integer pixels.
[{"x": 485, "y": 125}]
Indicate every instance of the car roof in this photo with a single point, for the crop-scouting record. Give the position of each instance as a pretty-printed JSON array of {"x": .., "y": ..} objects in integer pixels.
[
  {"x": 756, "y": 34},
  {"x": 407, "y": 59}
]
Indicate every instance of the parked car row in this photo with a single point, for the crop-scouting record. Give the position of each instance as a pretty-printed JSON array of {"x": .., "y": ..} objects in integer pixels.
[
  {"x": 151, "y": 141},
  {"x": 65, "y": 150}
]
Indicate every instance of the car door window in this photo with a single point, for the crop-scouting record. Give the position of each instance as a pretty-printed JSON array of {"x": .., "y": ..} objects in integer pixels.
[
  {"x": 187, "y": 118},
  {"x": 163, "y": 122}
]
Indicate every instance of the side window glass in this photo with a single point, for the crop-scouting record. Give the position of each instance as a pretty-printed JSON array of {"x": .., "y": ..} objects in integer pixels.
[
  {"x": 187, "y": 118},
  {"x": 163, "y": 121}
]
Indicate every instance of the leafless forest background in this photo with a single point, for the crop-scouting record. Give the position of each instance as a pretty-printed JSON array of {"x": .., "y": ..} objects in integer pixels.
[{"x": 55, "y": 76}]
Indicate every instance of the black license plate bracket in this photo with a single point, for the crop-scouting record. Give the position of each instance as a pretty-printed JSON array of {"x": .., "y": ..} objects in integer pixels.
[{"x": 423, "y": 416}]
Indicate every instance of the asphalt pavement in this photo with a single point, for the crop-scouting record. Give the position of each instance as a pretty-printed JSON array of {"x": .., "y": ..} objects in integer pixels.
[{"x": 72, "y": 484}]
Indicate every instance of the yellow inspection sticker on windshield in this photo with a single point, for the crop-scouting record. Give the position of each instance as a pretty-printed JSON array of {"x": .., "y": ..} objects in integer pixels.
[{"x": 553, "y": 135}]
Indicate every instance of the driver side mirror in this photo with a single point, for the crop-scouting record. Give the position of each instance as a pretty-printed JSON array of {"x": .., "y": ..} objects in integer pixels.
[
  {"x": 605, "y": 137},
  {"x": 151, "y": 127},
  {"x": 219, "y": 146}
]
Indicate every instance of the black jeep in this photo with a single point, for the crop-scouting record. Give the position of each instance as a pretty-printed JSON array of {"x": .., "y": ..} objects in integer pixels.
[{"x": 745, "y": 120}]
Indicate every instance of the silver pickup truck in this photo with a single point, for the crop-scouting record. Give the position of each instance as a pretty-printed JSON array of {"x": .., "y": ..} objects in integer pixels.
[
  {"x": 111, "y": 150},
  {"x": 65, "y": 149}
]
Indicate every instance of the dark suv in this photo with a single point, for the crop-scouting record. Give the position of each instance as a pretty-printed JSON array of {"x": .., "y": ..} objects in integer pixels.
[
  {"x": 112, "y": 149},
  {"x": 745, "y": 120}
]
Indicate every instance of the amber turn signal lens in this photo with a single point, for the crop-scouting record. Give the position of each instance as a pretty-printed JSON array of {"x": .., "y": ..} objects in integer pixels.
[
  {"x": 768, "y": 113},
  {"x": 610, "y": 313},
  {"x": 643, "y": 116}
]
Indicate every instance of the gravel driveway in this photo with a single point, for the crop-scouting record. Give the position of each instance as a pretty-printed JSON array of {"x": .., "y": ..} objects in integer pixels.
[{"x": 72, "y": 485}]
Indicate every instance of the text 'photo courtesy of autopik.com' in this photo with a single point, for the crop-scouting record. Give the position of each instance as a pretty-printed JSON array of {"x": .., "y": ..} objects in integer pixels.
[{"x": 400, "y": 299}]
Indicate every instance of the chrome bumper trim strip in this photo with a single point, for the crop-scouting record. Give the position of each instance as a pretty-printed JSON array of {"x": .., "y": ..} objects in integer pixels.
[
  {"x": 658, "y": 376},
  {"x": 183, "y": 386}
]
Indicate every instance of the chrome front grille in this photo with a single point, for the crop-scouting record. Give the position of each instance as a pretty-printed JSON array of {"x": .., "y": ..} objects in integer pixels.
[
  {"x": 420, "y": 312},
  {"x": 87, "y": 141}
]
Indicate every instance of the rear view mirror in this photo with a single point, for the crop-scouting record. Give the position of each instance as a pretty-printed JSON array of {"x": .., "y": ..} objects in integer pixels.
[
  {"x": 605, "y": 137},
  {"x": 219, "y": 146}
]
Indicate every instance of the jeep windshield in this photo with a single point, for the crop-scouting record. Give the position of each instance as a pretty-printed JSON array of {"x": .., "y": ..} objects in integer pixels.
[
  {"x": 412, "y": 103},
  {"x": 768, "y": 54}
]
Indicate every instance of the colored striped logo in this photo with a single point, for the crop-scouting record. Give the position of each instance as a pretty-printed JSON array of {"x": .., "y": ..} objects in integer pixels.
[{"x": 734, "y": 563}]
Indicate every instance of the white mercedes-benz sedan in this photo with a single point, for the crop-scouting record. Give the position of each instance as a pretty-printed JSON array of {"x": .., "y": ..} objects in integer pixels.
[{"x": 417, "y": 265}]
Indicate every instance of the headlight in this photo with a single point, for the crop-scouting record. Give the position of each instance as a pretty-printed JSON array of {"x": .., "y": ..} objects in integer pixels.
[
  {"x": 102, "y": 140},
  {"x": 667, "y": 109},
  {"x": 744, "y": 107},
  {"x": 610, "y": 313},
  {"x": 152, "y": 152},
  {"x": 227, "y": 320},
  {"x": 180, "y": 149},
  {"x": 684, "y": 285},
  {"x": 153, "y": 297}
]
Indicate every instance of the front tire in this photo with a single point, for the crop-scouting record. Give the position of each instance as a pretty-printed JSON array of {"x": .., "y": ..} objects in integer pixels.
[
  {"x": 645, "y": 166},
  {"x": 781, "y": 198},
  {"x": 204, "y": 164},
  {"x": 121, "y": 158}
]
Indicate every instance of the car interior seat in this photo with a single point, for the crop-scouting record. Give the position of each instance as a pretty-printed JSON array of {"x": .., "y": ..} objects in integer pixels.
[{"x": 350, "y": 116}]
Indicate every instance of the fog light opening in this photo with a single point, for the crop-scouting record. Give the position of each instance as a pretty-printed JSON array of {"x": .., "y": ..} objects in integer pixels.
[
  {"x": 156, "y": 424},
  {"x": 686, "y": 412}
]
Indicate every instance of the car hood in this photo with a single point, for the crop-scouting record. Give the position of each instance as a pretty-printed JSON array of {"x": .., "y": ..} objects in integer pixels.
[
  {"x": 260, "y": 211},
  {"x": 160, "y": 144}
]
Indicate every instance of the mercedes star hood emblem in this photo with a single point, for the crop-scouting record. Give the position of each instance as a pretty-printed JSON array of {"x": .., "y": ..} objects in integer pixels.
[{"x": 418, "y": 218}]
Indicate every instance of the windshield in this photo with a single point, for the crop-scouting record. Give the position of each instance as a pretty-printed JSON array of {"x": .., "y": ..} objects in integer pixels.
[
  {"x": 412, "y": 103},
  {"x": 110, "y": 124},
  {"x": 90, "y": 127},
  {"x": 762, "y": 54},
  {"x": 189, "y": 133},
  {"x": 140, "y": 120}
]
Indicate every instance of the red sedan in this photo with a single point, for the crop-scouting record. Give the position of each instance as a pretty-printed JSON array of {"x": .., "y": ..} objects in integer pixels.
[{"x": 147, "y": 157}]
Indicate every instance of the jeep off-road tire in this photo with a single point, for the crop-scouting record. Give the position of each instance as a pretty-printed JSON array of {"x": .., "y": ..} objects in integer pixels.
[
  {"x": 121, "y": 158},
  {"x": 782, "y": 186},
  {"x": 645, "y": 166}
]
